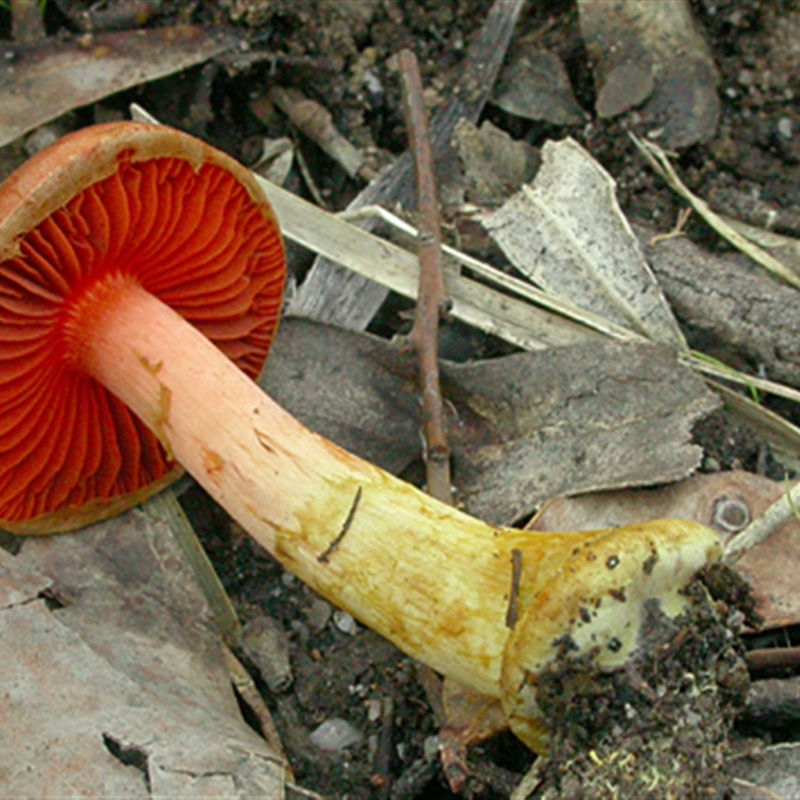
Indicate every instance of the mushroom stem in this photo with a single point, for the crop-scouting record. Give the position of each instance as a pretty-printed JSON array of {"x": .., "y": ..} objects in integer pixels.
[{"x": 448, "y": 589}]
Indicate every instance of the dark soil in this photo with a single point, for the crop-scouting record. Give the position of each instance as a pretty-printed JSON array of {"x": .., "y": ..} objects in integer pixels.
[{"x": 325, "y": 49}]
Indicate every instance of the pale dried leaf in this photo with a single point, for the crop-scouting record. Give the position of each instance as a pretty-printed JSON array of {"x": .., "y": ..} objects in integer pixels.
[
  {"x": 567, "y": 233},
  {"x": 126, "y": 669}
]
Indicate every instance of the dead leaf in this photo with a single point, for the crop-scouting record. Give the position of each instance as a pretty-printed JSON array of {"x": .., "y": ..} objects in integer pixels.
[
  {"x": 771, "y": 773},
  {"x": 726, "y": 501},
  {"x": 42, "y": 81},
  {"x": 651, "y": 55},
  {"x": 567, "y": 233},
  {"x": 732, "y": 305},
  {"x": 119, "y": 686},
  {"x": 523, "y": 428},
  {"x": 536, "y": 425},
  {"x": 354, "y": 389},
  {"x": 495, "y": 165},
  {"x": 534, "y": 84}
]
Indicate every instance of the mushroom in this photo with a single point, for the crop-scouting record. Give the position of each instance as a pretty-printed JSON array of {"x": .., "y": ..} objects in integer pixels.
[{"x": 141, "y": 274}]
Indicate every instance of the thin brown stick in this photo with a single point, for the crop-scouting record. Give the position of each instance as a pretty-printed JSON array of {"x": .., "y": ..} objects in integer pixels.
[
  {"x": 316, "y": 122},
  {"x": 432, "y": 301},
  {"x": 513, "y": 598},
  {"x": 382, "y": 773},
  {"x": 777, "y": 657},
  {"x": 324, "y": 557}
]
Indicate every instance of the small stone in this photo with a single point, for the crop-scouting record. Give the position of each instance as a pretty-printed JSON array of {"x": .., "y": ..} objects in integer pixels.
[
  {"x": 318, "y": 614},
  {"x": 335, "y": 734},
  {"x": 430, "y": 747},
  {"x": 267, "y": 646},
  {"x": 345, "y": 623},
  {"x": 287, "y": 579},
  {"x": 374, "y": 708}
]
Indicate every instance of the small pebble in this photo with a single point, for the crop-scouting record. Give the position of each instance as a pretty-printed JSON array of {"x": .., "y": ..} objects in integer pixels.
[
  {"x": 267, "y": 646},
  {"x": 318, "y": 614},
  {"x": 299, "y": 631},
  {"x": 345, "y": 623},
  {"x": 430, "y": 747},
  {"x": 287, "y": 579},
  {"x": 374, "y": 708},
  {"x": 335, "y": 734}
]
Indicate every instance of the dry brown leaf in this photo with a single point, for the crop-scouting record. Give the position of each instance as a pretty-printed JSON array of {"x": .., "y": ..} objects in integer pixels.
[
  {"x": 42, "y": 81},
  {"x": 651, "y": 55},
  {"x": 523, "y": 428}
]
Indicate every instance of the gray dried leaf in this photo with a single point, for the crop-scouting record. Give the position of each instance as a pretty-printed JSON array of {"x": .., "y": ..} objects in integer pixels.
[
  {"x": 534, "y": 85},
  {"x": 651, "y": 55},
  {"x": 60, "y": 76},
  {"x": 119, "y": 688},
  {"x": 567, "y": 233}
]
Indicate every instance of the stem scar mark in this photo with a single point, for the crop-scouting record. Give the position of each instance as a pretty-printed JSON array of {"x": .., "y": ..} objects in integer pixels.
[
  {"x": 323, "y": 558},
  {"x": 160, "y": 414},
  {"x": 512, "y": 613},
  {"x": 263, "y": 440}
]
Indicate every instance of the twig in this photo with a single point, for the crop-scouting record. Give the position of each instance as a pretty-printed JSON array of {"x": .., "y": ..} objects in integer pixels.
[
  {"x": 773, "y": 658},
  {"x": 432, "y": 301},
  {"x": 531, "y": 781},
  {"x": 315, "y": 121},
  {"x": 323, "y": 558},
  {"x": 330, "y": 293},
  {"x": 414, "y": 779},
  {"x": 512, "y": 611},
  {"x": 762, "y": 527},
  {"x": 502, "y": 781},
  {"x": 382, "y": 762}
]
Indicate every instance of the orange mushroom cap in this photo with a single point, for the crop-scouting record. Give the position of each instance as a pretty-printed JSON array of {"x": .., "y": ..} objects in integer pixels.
[{"x": 142, "y": 202}]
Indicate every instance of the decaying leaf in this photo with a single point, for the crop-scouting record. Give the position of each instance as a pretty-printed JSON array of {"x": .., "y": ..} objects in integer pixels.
[
  {"x": 772, "y": 774},
  {"x": 355, "y": 389},
  {"x": 534, "y": 84},
  {"x": 495, "y": 165},
  {"x": 567, "y": 233},
  {"x": 651, "y": 55},
  {"x": 41, "y": 81},
  {"x": 549, "y": 422},
  {"x": 726, "y": 501},
  {"x": 118, "y": 685},
  {"x": 523, "y": 428},
  {"x": 740, "y": 310}
]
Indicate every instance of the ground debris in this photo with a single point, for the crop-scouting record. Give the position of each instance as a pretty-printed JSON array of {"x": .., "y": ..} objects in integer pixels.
[{"x": 657, "y": 728}]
